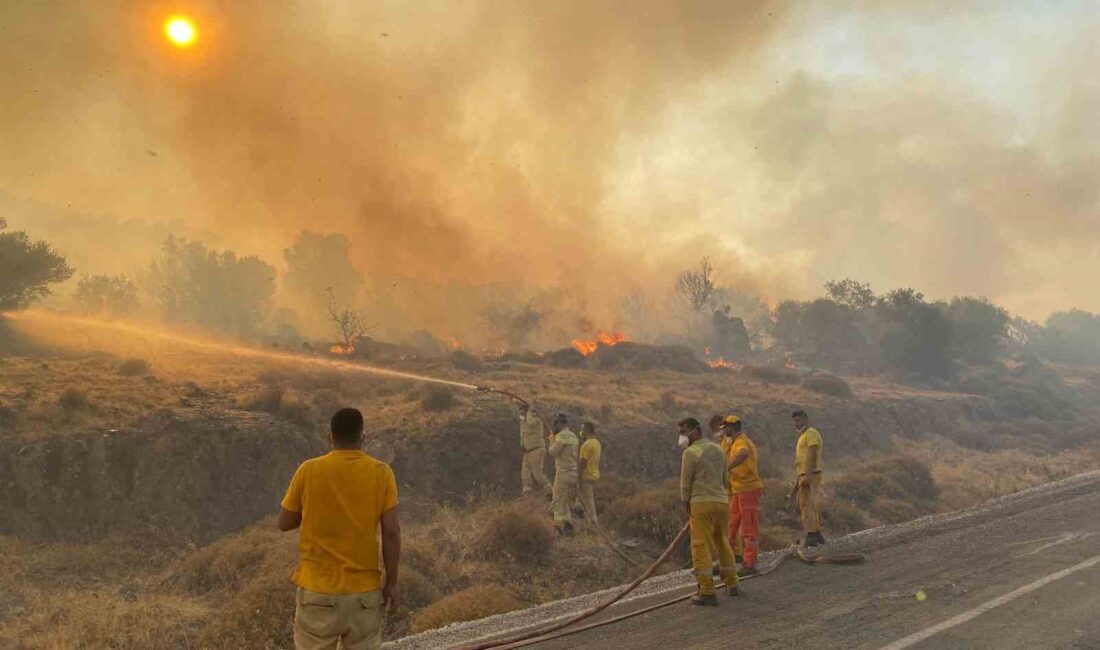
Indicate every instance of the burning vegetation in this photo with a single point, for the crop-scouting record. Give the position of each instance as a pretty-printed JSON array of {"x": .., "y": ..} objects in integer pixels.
[{"x": 602, "y": 338}]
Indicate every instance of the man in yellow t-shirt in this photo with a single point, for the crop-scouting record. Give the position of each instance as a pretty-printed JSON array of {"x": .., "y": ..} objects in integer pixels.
[
  {"x": 745, "y": 491},
  {"x": 589, "y": 470},
  {"x": 808, "y": 466},
  {"x": 338, "y": 500}
]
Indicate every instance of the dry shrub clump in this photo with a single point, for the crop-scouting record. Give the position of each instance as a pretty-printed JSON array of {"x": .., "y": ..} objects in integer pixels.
[
  {"x": 297, "y": 408},
  {"x": 102, "y": 618},
  {"x": 655, "y": 514},
  {"x": 893, "y": 489},
  {"x": 469, "y": 604},
  {"x": 266, "y": 400},
  {"x": 134, "y": 368},
  {"x": 770, "y": 374},
  {"x": 520, "y": 535},
  {"x": 438, "y": 398},
  {"x": 73, "y": 400},
  {"x": 827, "y": 384}
]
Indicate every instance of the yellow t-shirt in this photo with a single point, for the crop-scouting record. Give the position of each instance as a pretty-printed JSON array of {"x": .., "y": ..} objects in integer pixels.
[
  {"x": 809, "y": 438},
  {"x": 590, "y": 452},
  {"x": 341, "y": 496},
  {"x": 744, "y": 477}
]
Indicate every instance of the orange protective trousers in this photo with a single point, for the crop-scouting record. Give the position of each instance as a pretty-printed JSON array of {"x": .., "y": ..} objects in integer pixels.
[{"x": 745, "y": 518}]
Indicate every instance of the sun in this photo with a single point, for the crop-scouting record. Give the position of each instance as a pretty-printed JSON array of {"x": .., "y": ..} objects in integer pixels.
[{"x": 180, "y": 30}]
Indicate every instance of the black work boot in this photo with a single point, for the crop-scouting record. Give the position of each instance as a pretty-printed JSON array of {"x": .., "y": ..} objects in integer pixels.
[
  {"x": 820, "y": 537},
  {"x": 811, "y": 539},
  {"x": 708, "y": 601},
  {"x": 740, "y": 559}
]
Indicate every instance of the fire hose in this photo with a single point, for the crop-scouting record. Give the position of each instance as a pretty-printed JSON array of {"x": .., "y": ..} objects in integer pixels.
[{"x": 566, "y": 627}]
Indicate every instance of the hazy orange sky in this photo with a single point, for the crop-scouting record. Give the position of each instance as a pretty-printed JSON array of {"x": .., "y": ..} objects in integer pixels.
[{"x": 589, "y": 145}]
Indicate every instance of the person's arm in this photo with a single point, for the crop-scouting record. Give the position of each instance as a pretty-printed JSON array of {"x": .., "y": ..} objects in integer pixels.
[
  {"x": 290, "y": 513},
  {"x": 811, "y": 458},
  {"x": 391, "y": 554},
  {"x": 555, "y": 447},
  {"x": 289, "y": 520},
  {"x": 687, "y": 475},
  {"x": 741, "y": 457}
]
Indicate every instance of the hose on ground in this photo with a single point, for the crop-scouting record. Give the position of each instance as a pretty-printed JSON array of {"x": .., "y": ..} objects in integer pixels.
[{"x": 508, "y": 642}]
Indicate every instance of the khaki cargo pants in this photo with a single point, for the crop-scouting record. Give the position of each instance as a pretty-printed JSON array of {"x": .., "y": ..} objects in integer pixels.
[
  {"x": 586, "y": 498},
  {"x": 532, "y": 470},
  {"x": 809, "y": 493},
  {"x": 565, "y": 491},
  {"x": 321, "y": 621}
]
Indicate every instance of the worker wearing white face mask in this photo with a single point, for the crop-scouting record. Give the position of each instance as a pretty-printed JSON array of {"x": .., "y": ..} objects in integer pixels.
[{"x": 704, "y": 489}]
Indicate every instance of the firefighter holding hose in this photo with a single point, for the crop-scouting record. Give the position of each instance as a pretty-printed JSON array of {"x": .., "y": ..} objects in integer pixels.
[
  {"x": 532, "y": 440},
  {"x": 563, "y": 449}
]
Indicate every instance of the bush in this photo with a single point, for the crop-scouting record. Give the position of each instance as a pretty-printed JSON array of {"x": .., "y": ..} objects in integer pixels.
[
  {"x": 417, "y": 591},
  {"x": 297, "y": 408},
  {"x": 770, "y": 374},
  {"x": 827, "y": 384},
  {"x": 517, "y": 534},
  {"x": 463, "y": 360},
  {"x": 73, "y": 400},
  {"x": 894, "y": 489},
  {"x": 655, "y": 514},
  {"x": 841, "y": 517},
  {"x": 467, "y": 605},
  {"x": 438, "y": 398},
  {"x": 266, "y": 400},
  {"x": 134, "y": 368}
]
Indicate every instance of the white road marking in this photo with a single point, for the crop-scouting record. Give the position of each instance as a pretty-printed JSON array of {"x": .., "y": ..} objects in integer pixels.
[
  {"x": 917, "y": 637},
  {"x": 1065, "y": 538}
]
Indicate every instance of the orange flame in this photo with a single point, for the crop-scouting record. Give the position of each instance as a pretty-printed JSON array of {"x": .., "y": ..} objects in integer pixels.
[
  {"x": 339, "y": 349},
  {"x": 602, "y": 338},
  {"x": 455, "y": 345},
  {"x": 722, "y": 363}
]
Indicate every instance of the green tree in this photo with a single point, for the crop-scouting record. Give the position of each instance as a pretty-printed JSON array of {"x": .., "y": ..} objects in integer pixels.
[
  {"x": 106, "y": 295},
  {"x": 215, "y": 290},
  {"x": 1070, "y": 337},
  {"x": 918, "y": 335},
  {"x": 979, "y": 329},
  {"x": 852, "y": 294},
  {"x": 27, "y": 268}
]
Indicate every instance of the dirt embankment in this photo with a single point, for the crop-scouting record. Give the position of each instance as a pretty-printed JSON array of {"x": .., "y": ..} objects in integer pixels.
[
  {"x": 198, "y": 476},
  {"x": 205, "y": 474}
]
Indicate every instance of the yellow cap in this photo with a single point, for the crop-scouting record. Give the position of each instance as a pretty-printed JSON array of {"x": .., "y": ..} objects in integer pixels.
[{"x": 731, "y": 419}]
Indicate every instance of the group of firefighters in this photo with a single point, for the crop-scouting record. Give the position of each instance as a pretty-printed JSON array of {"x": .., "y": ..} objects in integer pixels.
[
  {"x": 720, "y": 487},
  {"x": 339, "y": 500}
]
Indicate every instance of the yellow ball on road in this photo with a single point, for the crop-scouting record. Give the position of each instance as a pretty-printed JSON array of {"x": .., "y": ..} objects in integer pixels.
[{"x": 921, "y": 596}]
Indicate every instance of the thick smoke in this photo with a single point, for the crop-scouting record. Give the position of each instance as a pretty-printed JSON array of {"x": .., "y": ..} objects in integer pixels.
[{"x": 588, "y": 148}]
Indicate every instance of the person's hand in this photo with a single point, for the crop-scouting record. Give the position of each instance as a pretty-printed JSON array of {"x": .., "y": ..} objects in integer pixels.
[{"x": 389, "y": 596}]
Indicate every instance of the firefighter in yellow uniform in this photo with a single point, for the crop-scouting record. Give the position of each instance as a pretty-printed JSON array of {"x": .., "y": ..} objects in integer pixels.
[
  {"x": 704, "y": 489},
  {"x": 808, "y": 467},
  {"x": 589, "y": 470},
  {"x": 563, "y": 449}
]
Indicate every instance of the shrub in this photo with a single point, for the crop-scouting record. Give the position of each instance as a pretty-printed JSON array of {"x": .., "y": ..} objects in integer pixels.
[
  {"x": 841, "y": 517},
  {"x": 297, "y": 408},
  {"x": 656, "y": 514},
  {"x": 266, "y": 400},
  {"x": 827, "y": 384},
  {"x": 893, "y": 511},
  {"x": 467, "y": 605},
  {"x": 73, "y": 400},
  {"x": 134, "y": 368},
  {"x": 463, "y": 360},
  {"x": 438, "y": 398},
  {"x": 770, "y": 374},
  {"x": 520, "y": 535},
  {"x": 417, "y": 591}
]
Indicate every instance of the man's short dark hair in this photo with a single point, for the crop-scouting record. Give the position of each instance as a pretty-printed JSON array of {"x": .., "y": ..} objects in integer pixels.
[
  {"x": 347, "y": 426},
  {"x": 716, "y": 420},
  {"x": 799, "y": 414},
  {"x": 690, "y": 423}
]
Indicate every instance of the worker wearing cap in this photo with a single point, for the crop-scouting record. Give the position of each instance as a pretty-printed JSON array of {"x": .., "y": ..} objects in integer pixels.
[
  {"x": 589, "y": 469},
  {"x": 808, "y": 467},
  {"x": 715, "y": 424},
  {"x": 563, "y": 449},
  {"x": 704, "y": 489},
  {"x": 533, "y": 443},
  {"x": 745, "y": 490}
]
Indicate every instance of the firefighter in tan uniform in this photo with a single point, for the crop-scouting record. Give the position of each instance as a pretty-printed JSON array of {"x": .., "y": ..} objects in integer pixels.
[
  {"x": 533, "y": 442},
  {"x": 563, "y": 449}
]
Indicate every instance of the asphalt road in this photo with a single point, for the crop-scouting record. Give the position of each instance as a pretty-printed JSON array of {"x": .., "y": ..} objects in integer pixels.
[{"x": 1022, "y": 574}]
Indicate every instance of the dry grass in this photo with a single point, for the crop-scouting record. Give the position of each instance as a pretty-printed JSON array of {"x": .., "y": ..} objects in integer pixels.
[
  {"x": 517, "y": 534},
  {"x": 469, "y": 604}
]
